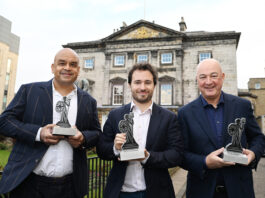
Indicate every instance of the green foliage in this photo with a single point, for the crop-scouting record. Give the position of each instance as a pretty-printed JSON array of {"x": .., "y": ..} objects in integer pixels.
[{"x": 4, "y": 154}]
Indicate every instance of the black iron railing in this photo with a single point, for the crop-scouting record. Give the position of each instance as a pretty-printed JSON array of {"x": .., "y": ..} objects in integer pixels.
[{"x": 98, "y": 171}]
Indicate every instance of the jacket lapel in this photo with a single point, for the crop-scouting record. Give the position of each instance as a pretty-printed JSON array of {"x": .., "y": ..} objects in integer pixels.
[
  {"x": 153, "y": 126},
  {"x": 201, "y": 117},
  {"x": 46, "y": 99},
  {"x": 229, "y": 109}
]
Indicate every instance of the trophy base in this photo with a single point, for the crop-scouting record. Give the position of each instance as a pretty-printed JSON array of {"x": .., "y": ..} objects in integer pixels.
[
  {"x": 63, "y": 131},
  {"x": 231, "y": 156},
  {"x": 131, "y": 154}
]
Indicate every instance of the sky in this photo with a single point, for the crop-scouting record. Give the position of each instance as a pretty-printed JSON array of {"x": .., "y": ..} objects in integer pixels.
[{"x": 45, "y": 25}]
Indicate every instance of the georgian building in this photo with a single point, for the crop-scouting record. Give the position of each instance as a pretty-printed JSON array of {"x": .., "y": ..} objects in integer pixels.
[
  {"x": 175, "y": 54},
  {"x": 9, "y": 46}
]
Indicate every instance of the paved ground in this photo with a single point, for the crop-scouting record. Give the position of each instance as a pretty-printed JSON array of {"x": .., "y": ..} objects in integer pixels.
[
  {"x": 179, "y": 181},
  {"x": 259, "y": 179}
]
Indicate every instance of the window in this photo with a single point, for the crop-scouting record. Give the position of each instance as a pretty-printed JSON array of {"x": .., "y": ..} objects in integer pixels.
[
  {"x": 204, "y": 55},
  {"x": 89, "y": 63},
  {"x": 142, "y": 58},
  {"x": 166, "y": 94},
  {"x": 4, "y": 102},
  {"x": 257, "y": 85},
  {"x": 166, "y": 58},
  {"x": 119, "y": 60},
  {"x": 117, "y": 96}
]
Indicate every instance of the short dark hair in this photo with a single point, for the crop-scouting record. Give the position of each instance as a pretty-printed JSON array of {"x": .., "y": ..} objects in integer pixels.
[{"x": 142, "y": 67}]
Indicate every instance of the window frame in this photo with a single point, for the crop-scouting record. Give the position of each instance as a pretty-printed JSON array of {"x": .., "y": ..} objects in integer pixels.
[
  {"x": 205, "y": 52},
  {"x": 160, "y": 93},
  {"x": 115, "y": 64},
  {"x": 166, "y": 63},
  {"x": 113, "y": 95},
  {"x": 142, "y": 54},
  {"x": 93, "y": 61}
]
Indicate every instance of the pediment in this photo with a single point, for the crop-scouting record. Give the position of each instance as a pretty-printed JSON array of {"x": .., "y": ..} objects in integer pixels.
[
  {"x": 166, "y": 78},
  {"x": 143, "y": 30}
]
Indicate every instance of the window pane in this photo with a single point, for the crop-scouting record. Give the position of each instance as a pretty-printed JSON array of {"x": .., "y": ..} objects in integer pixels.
[
  {"x": 89, "y": 63},
  {"x": 257, "y": 85},
  {"x": 117, "y": 95},
  {"x": 142, "y": 58},
  {"x": 166, "y": 58},
  {"x": 204, "y": 56},
  {"x": 166, "y": 94},
  {"x": 119, "y": 60}
]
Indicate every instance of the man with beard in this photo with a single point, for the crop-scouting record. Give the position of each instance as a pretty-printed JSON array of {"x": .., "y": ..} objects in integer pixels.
[
  {"x": 155, "y": 130},
  {"x": 43, "y": 165}
]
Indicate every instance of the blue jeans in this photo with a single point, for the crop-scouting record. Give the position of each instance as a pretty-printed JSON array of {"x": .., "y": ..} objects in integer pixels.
[{"x": 138, "y": 194}]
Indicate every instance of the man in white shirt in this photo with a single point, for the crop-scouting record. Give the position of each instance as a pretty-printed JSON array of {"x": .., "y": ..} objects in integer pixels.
[
  {"x": 42, "y": 164},
  {"x": 155, "y": 130}
]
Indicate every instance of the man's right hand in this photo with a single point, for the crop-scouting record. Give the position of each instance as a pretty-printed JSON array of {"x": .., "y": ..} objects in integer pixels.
[
  {"x": 214, "y": 161},
  {"x": 119, "y": 140},
  {"x": 47, "y": 137}
]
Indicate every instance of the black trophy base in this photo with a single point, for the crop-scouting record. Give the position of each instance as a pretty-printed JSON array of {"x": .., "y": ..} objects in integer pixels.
[
  {"x": 236, "y": 157},
  {"x": 131, "y": 154},
  {"x": 57, "y": 130}
]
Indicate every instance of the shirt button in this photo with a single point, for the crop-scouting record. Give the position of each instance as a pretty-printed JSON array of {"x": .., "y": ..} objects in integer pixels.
[{"x": 36, "y": 160}]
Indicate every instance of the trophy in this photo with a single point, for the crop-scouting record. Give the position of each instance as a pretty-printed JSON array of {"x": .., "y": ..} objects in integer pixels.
[
  {"x": 63, "y": 126},
  {"x": 130, "y": 149},
  {"x": 233, "y": 151}
]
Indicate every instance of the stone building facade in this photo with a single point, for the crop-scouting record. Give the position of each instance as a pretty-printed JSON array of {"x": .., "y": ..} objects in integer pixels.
[
  {"x": 9, "y": 46},
  {"x": 175, "y": 54}
]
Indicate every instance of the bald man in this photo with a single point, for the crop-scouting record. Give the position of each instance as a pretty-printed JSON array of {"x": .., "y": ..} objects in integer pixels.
[
  {"x": 42, "y": 164},
  {"x": 204, "y": 123}
]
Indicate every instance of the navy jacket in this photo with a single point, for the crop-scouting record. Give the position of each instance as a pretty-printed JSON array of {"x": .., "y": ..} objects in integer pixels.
[
  {"x": 164, "y": 143},
  {"x": 31, "y": 109},
  {"x": 200, "y": 140}
]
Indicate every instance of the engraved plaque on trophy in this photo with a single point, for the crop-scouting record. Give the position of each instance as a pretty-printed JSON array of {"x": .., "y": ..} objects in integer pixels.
[
  {"x": 130, "y": 149},
  {"x": 63, "y": 126},
  {"x": 233, "y": 151}
]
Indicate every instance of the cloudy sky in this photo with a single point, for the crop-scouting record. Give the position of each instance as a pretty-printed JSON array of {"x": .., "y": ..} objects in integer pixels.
[{"x": 44, "y": 25}]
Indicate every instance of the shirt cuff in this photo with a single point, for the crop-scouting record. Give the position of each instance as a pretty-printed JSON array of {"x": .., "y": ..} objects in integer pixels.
[
  {"x": 37, "y": 139},
  {"x": 145, "y": 160},
  {"x": 115, "y": 151}
]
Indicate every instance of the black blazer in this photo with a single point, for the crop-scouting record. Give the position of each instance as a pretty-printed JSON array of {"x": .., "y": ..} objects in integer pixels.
[
  {"x": 200, "y": 140},
  {"x": 164, "y": 143},
  {"x": 31, "y": 109}
]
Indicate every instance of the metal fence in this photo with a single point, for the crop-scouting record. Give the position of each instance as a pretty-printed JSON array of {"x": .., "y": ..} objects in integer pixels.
[{"x": 98, "y": 171}]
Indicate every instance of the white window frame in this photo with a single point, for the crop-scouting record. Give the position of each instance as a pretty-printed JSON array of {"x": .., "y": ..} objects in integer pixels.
[
  {"x": 204, "y": 55},
  {"x": 165, "y": 59},
  {"x": 89, "y": 65},
  {"x": 140, "y": 58},
  {"x": 118, "y": 61},
  {"x": 114, "y": 95},
  {"x": 168, "y": 100},
  {"x": 257, "y": 86}
]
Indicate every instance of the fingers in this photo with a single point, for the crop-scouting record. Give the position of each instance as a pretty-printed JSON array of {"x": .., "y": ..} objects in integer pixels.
[
  {"x": 76, "y": 140},
  {"x": 214, "y": 161},
  {"x": 250, "y": 155},
  {"x": 47, "y": 137},
  {"x": 119, "y": 140}
]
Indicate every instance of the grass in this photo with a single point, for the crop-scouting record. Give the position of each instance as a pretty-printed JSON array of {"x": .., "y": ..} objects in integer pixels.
[{"x": 4, "y": 154}]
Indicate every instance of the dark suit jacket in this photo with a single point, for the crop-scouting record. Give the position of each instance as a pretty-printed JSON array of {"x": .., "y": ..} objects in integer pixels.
[
  {"x": 164, "y": 143},
  {"x": 31, "y": 109},
  {"x": 200, "y": 140}
]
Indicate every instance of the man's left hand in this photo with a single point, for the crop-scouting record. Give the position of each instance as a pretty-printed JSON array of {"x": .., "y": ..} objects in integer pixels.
[
  {"x": 250, "y": 155},
  {"x": 76, "y": 140}
]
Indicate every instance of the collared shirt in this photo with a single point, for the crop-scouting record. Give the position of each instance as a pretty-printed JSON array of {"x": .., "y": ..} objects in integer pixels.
[
  {"x": 58, "y": 160},
  {"x": 215, "y": 117},
  {"x": 134, "y": 178}
]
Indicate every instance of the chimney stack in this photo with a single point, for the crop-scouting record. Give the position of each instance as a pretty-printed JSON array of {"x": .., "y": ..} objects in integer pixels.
[{"x": 182, "y": 25}]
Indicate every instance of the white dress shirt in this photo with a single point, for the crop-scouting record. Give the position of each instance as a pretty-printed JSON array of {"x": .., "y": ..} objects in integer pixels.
[
  {"x": 58, "y": 160},
  {"x": 134, "y": 178}
]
